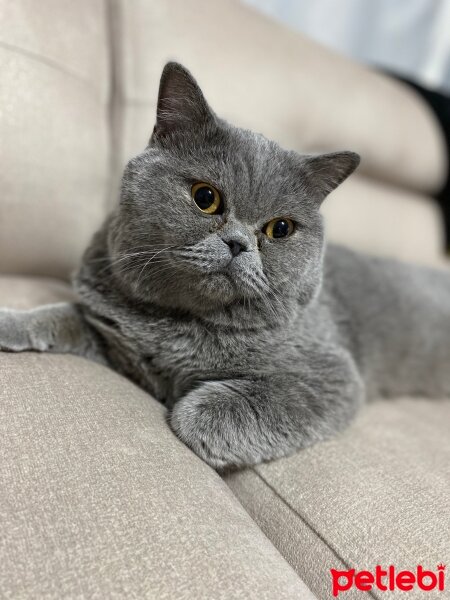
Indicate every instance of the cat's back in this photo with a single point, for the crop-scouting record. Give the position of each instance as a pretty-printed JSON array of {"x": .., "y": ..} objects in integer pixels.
[
  {"x": 387, "y": 311},
  {"x": 361, "y": 277}
]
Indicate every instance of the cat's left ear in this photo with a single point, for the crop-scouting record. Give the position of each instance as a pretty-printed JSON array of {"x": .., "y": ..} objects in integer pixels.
[
  {"x": 181, "y": 104},
  {"x": 323, "y": 173}
]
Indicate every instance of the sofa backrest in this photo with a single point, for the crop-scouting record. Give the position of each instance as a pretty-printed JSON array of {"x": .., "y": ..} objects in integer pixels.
[
  {"x": 79, "y": 83},
  {"x": 54, "y": 131}
]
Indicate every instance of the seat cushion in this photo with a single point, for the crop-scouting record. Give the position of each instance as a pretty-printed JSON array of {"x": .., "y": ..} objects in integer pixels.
[
  {"x": 54, "y": 153},
  {"x": 378, "y": 494},
  {"x": 21, "y": 292},
  {"x": 98, "y": 499}
]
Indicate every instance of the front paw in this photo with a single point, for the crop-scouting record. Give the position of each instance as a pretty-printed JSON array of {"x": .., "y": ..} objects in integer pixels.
[
  {"x": 13, "y": 334},
  {"x": 220, "y": 423}
]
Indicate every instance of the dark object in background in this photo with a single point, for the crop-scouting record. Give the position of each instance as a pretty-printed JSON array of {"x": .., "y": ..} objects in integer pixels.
[{"x": 440, "y": 105}]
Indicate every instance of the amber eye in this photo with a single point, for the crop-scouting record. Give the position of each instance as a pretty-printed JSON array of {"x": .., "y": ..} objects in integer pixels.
[
  {"x": 279, "y": 228},
  {"x": 207, "y": 198}
]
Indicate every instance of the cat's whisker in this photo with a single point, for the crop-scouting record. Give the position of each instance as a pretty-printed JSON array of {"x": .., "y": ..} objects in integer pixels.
[
  {"x": 130, "y": 264},
  {"x": 158, "y": 272},
  {"x": 132, "y": 252},
  {"x": 281, "y": 306},
  {"x": 151, "y": 259},
  {"x": 113, "y": 263},
  {"x": 139, "y": 257},
  {"x": 130, "y": 267}
]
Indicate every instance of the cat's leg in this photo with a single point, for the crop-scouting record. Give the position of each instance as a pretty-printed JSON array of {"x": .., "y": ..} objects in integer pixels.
[
  {"x": 233, "y": 423},
  {"x": 59, "y": 328}
]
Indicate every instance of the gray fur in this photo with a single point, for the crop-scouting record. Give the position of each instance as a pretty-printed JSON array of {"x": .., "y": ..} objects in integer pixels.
[{"x": 258, "y": 355}]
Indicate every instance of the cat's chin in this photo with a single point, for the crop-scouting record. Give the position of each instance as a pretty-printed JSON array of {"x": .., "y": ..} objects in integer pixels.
[{"x": 217, "y": 288}]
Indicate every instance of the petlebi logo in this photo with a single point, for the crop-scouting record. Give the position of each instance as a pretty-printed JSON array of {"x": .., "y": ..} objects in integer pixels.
[{"x": 388, "y": 579}]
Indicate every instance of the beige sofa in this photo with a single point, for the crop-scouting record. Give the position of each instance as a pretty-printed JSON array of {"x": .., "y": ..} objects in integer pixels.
[{"x": 98, "y": 499}]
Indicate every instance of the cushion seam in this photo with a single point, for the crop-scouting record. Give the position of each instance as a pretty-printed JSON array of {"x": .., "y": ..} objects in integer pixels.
[
  {"x": 49, "y": 62},
  {"x": 307, "y": 524}
]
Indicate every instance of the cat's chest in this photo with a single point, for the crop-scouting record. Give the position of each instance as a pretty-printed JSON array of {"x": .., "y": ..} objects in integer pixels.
[
  {"x": 168, "y": 359},
  {"x": 197, "y": 349}
]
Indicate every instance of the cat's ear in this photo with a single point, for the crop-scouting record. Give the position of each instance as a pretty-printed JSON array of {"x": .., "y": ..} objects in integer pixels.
[
  {"x": 324, "y": 172},
  {"x": 181, "y": 104}
]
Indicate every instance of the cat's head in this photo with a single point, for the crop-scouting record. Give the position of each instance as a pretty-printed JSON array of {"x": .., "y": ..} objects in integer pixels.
[{"x": 215, "y": 219}]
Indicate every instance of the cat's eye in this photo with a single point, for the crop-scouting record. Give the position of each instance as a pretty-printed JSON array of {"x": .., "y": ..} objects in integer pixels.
[
  {"x": 279, "y": 228},
  {"x": 207, "y": 198}
]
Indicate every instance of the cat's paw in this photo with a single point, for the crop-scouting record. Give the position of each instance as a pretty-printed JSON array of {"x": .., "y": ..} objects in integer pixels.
[
  {"x": 219, "y": 424},
  {"x": 13, "y": 334},
  {"x": 20, "y": 330}
]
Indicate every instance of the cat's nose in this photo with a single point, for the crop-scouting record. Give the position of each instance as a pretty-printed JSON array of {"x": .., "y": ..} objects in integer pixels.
[{"x": 235, "y": 246}]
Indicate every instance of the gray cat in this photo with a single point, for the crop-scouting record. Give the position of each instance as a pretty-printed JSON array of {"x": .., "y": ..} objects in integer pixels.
[{"x": 210, "y": 286}]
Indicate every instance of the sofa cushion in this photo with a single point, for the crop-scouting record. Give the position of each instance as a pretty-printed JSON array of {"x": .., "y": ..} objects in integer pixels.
[
  {"x": 378, "y": 494},
  {"x": 21, "y": 292},
  {"x": 54, "y": 153},
  {"x": 98, "y": 499},
  {"x": 381, "y": 219}
]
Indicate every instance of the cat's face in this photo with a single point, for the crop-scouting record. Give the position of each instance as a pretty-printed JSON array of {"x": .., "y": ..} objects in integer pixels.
[{"x": 213, "y": 216}]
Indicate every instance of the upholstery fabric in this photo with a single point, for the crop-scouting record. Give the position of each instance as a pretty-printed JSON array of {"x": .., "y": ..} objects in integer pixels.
[
  {"x": 98, "y": 499},
  {"x": 377, "y": 494},
  {"x": 28, "y": 292},
  {"x": 381, "y": 219},
  {"x": 54, "y": 64}
]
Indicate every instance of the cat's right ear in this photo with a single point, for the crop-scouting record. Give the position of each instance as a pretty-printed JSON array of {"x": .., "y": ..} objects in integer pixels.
[
  {"x": 181, "y": 104},
  {"x": 322, "y": 173}
]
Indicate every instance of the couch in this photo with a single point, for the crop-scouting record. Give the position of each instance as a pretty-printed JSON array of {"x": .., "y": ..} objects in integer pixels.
[{"x": 98, "y": 499}]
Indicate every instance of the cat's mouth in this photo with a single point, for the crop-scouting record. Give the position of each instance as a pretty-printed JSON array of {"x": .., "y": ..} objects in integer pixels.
[{"x": 229, "y": 284}]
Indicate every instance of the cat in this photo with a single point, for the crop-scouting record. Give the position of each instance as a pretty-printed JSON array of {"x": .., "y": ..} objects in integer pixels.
[{"x": 210, "y": 285}]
